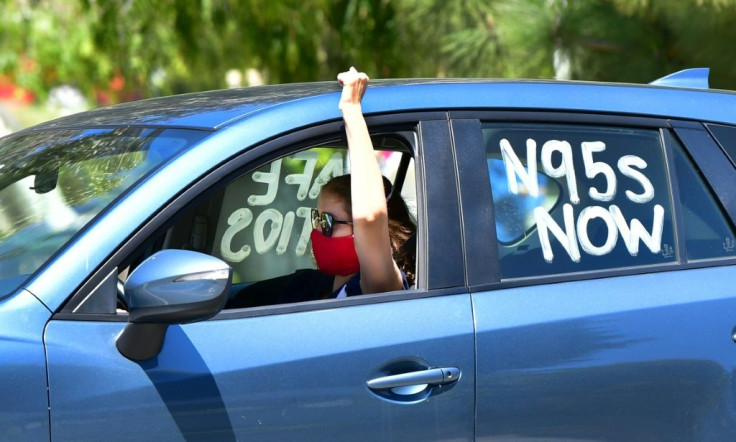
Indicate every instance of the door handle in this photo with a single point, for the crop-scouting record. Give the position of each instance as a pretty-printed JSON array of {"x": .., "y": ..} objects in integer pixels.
[{"x": 432, "y": 376}]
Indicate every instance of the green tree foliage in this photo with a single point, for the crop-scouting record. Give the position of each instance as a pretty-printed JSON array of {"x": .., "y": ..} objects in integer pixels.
[
  {"x": 608, "y": 40},
  {"x": 122, "y": 49}
]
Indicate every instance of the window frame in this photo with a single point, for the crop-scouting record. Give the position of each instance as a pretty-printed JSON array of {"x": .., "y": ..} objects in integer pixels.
[
  {"x": 469, "y": 138},
  {"x": 421, "y": 124}
]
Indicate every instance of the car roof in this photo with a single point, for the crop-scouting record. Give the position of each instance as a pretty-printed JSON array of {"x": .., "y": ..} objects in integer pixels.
[{"x": 216, "y": 109}]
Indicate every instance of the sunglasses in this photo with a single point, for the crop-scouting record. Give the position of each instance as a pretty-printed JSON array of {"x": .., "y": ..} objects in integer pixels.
[{"x": 325, "y": 221}]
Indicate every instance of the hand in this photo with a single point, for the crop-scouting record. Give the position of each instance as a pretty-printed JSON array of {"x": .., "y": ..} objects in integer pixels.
[{"x": 353, "y": 84}]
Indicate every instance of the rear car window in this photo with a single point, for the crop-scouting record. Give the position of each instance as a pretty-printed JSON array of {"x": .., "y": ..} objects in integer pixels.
[
  {"x": 726, "y": 137},
  {"x": 708, "y": 233},
  {"x": 572, "y": 198}
]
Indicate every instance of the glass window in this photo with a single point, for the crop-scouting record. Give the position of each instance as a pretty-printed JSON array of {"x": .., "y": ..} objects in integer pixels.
[
  {"x": 53, "y": 183},
  {"x": 570, "y": 198},
  {"x": 708, "y": 234},
  {"x": 726, "y": 137},
  {"x": 264, "y": 223}
]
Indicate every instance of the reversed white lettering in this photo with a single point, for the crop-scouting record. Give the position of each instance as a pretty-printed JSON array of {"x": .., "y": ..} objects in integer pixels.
[
  {"x": 273, "y": 229},
  {"x": 238, "y": 221},
  {"x": 263, "y": 242},
  {"x": 332, "y": 168},
  {"x": 303, "y": 241},
  {"x": 285, "y": 233},
  {"x": 305, "y": 178},
  {"x": 272, "y": 180}
]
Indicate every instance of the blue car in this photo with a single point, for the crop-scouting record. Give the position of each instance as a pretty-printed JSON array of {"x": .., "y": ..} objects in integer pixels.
[{"x": 574, "y": 278}]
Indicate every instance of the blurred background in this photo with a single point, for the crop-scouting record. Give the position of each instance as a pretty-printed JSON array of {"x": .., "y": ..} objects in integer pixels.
[{"x": 63, "y": 56}]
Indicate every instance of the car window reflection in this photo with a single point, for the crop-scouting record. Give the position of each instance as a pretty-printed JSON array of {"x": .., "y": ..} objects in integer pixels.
[
  {"x": 53, "y": 183},
  {"x": 514, "y": 212}
]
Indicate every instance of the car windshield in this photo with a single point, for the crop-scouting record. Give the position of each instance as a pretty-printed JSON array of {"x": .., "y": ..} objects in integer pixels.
[{"x": 53, "y": 183}]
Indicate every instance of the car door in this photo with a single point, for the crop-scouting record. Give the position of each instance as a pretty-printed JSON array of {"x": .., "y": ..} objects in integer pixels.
[
  {"x": 609, "y": 315},
  {"x": 359, "y": 368}
]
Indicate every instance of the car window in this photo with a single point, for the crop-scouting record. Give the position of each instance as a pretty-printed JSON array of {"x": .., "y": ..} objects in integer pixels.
[
  {"x": 260, "y": 222},
  {"x": 578, "y": 198},
  {"x": 726, "y": 137},
  {"x": 53, "y": 183},
  {"x": 708, "y": 233}
]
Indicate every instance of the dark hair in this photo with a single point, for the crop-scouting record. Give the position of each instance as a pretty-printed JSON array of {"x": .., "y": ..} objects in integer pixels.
[{"x": 401, "y": 225}]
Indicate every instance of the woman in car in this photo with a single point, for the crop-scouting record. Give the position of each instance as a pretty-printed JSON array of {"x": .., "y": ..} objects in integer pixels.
[
  {"x": 362, "y": 229},
  {"x": 359, "y": 224}
]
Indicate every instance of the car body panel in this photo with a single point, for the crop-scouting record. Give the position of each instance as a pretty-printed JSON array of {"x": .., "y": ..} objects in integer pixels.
[
  {"x": 24, "y": 405},
  {"x": 315, "y": 102},
  {"x": 207, "y": 111},
  {"x": 715, "y": 166},
  {"x": 276, "y": 377},
  {"x": 646, "y": 357}
]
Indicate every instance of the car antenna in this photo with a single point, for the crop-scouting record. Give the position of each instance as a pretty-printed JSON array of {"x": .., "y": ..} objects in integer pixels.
[{"x": 694, "y": 78}]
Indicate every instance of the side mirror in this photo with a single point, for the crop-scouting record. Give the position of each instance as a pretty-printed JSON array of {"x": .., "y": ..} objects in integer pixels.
[{"x": 170, "y": 287}]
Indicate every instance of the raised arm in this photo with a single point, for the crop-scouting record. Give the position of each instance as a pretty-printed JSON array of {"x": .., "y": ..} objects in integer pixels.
[{"x": 378, "y": 271}]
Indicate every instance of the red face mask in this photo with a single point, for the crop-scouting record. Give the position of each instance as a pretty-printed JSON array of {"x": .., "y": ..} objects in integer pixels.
[{"x": 335, "y": 255}]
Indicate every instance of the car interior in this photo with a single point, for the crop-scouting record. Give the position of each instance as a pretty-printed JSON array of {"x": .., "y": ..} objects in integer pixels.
[{"x": 270, "y": 225}]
